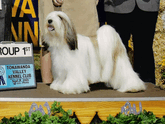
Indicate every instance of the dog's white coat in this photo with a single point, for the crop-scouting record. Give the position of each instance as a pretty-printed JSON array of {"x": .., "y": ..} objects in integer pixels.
[{"x": 74, "y": 70}]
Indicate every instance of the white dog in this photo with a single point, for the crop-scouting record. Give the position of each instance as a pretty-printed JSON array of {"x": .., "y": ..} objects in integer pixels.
[{"x": 76, "y": 63}]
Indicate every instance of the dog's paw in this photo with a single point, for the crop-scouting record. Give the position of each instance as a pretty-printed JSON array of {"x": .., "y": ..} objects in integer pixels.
[
  {"x": 129, "y": 90},
  {"x": 74, "y": 90},
  {"x": 69, "y": 87},
  {"x": 133, "y": 88},
  {"x": 74, "y": 87},
  {"x": 55, "y": 85}
]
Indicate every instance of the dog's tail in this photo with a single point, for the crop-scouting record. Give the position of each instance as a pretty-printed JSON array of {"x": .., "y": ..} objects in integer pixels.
[{"x": 116, "y": 67}]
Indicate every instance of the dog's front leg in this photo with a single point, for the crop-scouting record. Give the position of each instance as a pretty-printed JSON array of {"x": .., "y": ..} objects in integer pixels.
[
  {"x": 75, "y": 83},
  {"x": 56, "y": 84}
]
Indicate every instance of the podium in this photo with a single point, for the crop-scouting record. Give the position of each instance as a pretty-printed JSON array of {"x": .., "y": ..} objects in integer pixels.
[{"x": 100, "y": 100}]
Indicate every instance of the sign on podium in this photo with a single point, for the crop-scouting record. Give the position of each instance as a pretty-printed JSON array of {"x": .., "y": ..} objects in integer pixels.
[{"x": 16, "y": 65}]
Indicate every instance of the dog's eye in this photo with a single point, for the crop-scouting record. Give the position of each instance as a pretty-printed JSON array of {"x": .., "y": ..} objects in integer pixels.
[{"x": 60, "y": 17}]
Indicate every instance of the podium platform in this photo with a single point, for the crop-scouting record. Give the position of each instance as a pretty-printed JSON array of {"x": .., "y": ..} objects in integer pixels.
[{"x": 100, "y": 99}]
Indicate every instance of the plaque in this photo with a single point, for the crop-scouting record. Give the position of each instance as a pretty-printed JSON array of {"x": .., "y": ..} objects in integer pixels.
[{"x": 16, "y": 65}]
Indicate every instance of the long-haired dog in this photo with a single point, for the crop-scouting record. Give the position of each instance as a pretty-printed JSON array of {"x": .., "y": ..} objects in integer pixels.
[{"x": 76, "y": 63}]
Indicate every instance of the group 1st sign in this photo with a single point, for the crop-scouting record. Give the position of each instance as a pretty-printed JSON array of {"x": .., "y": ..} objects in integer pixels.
[{"x": 16, "y": 66}]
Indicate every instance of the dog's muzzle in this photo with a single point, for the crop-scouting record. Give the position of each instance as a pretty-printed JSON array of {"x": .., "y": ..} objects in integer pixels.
[{"x": 50, "y": 27}]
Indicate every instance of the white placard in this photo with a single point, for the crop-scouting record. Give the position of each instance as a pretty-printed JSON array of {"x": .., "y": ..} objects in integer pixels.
[
  {"x": 0, "y": 4},
  {"x": 15, "y": 50}
]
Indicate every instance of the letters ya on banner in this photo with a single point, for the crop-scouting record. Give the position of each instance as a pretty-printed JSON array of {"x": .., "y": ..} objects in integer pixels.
[{"x": 24, "y": 25}]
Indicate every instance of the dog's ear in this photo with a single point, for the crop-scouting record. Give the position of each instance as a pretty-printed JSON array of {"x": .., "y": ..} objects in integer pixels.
[{"x": 70, "y": 32}]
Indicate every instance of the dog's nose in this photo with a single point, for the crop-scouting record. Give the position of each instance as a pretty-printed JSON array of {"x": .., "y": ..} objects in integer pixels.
[{"x": 50, "y": 21}]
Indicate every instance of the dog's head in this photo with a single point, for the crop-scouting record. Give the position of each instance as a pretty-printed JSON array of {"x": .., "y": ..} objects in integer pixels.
[{"x": 59, "y": 27}]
